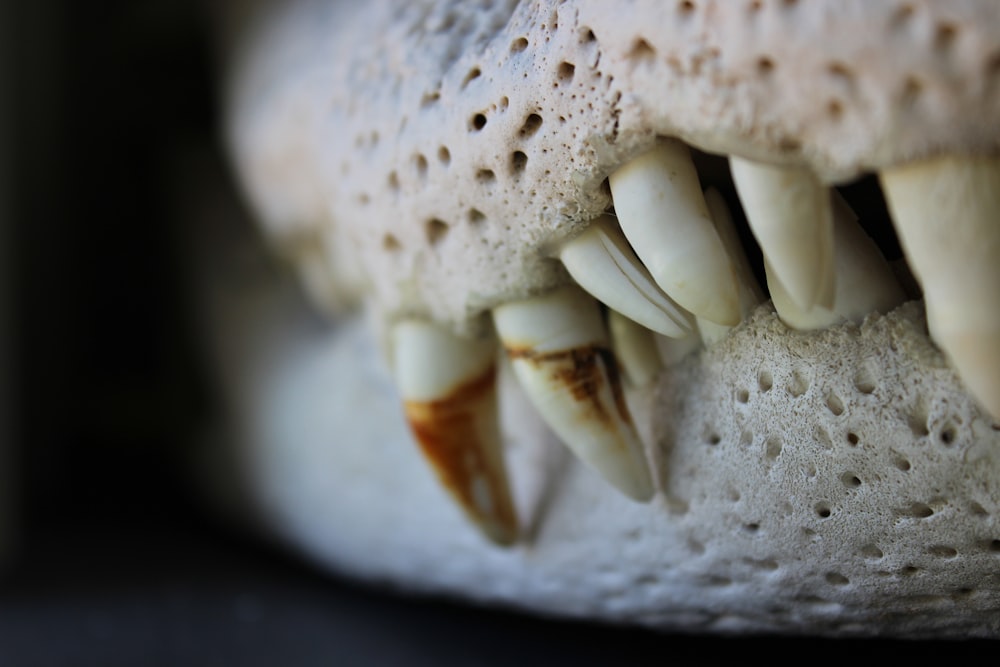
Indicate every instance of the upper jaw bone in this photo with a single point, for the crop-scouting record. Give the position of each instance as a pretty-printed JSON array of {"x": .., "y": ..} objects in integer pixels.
[
  {"x": 662, "y": 211},
  {"x": 789, "y": 211},
  {"x": 601, "y": 261},
  {"x": 560, "y": 353},
  {"x": 947, "y": 215},
  {"x": 448, "y": 386}
]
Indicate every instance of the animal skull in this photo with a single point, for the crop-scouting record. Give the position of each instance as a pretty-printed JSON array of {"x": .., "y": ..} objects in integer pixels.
[{"x": 652, "y": 208}]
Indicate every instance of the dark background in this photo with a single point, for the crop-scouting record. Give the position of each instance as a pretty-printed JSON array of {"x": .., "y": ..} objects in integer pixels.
[{"x": 102, "y": 392}]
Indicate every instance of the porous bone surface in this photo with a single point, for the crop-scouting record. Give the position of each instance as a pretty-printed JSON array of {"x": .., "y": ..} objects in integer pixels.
[{"x": 431, "y": 155}]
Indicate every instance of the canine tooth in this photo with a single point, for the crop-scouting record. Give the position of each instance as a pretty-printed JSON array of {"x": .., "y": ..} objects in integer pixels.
[
  {"x": 662, "y": 212},
  {"x": 635, "y": 349},
  {"x": 946, "y": 212},
  {"x": 449, "y": 396},
  {"x": 865, "y": 281},
  {"x": 601, "y": 262},
  {"x": 558, "y": 348},
  {"x": 790, "y": 214}
]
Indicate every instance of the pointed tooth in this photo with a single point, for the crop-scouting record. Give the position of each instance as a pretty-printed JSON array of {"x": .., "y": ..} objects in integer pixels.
[
  {"x": 635, "y": 349},
  {"x": 662, "y": 211},
  {"x": 449, "y": 396},
  {"x": 803, "y": 319},
  {"x": 865, "y": 281},
  {"x": 947, "y": 215},
  {"x": 601, "y": 262},
  {"x": 789, "y": 211},
  {"x": 750, "y": 294},
  {"x": 559, "y": 350}
]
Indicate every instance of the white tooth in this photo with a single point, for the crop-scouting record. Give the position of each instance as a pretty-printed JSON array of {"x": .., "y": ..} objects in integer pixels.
[
  {"x": 790, "y": 214},
  {"x": 750, "y": 294},
  {"x": 449, "y": 395},
  {"x": 635, "y": 349},
  {"x": 559, "y": 350},
  {"x": 662, "y": 211},
  {"x": 865, "y": 281},
  {"x": 947, "y": 216},
  {"x": 601, "y": 262}
]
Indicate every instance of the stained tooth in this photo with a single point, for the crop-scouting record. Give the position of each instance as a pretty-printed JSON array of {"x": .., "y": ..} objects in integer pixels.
[
  {"x": 865, "y": 281},
  {"x": 560, "y": 353},
  {"x": 662, "y": 211},
  {"x": 601, "y": 262},
  {"x": 947, "y": 216},
  {"x": 448, "y": 389},
  {"x": 635, "y": 349},
  {"x": 749, "y": 291},
  {"x": 789, "y": 211}
]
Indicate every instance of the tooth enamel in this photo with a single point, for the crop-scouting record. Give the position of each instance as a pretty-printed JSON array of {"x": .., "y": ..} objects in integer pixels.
[
  {"x": 635, "y": 349},
  {"x": 449, "y": 396},
  {"x": 559, "y": 350},
  {"x": 749, "y": 291},
  {"x": 946, "y": 215},
  {"x": 662, "y": 212},
  {"x": 789, "y": 211},
  {"x": 601, "y": 262},
  {"x": 865, "y": 281}
]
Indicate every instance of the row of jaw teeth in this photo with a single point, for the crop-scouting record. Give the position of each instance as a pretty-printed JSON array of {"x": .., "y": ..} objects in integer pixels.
[{"x": 669, "y": 266}]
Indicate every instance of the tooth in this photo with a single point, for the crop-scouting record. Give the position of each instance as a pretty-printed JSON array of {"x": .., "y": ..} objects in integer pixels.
[
  {"x": 749, "y": 291},
  {"x": 789, "y": 212},
  {"x": 635, "y": 349},
  {"x": 558, "y": 348},
  {"x": 946, "y": 214},
  {"x": 662, "y": 212},
  {"x": 865, "y": 281},
  {"x": 449, "y": 396},
  {"x": 601, "y": 262}
]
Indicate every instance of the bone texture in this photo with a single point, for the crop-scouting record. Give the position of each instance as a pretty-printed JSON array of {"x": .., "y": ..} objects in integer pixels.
[{"x": 431, "y": 151}]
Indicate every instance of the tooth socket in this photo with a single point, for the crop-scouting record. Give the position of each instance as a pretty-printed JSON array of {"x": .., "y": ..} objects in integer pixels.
[{"x": 458, "y": 435}]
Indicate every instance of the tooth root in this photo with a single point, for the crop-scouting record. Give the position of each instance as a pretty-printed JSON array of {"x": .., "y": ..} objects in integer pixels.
[
  {"x": 750, "y": 294},
  {"x": 789, "y": 211},
  {"x": 635, "y": 349},
  {"x": 947, "y": 215},
  {"x": 449, "y": 395},
  {"x": 559, "y": 350},
  {"x": 662, "y": 212},
  {"x": 601, "y": 262},
  {"x": 865, "y": 281}
]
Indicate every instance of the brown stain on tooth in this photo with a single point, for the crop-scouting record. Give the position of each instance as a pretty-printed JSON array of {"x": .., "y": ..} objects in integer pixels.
[
  {"x": 583, "y": 371},
  {"x": 459, "y": 436}
]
